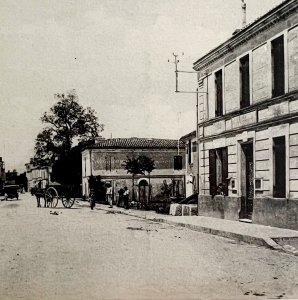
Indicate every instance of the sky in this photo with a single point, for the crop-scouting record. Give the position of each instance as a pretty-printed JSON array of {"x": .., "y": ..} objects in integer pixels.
[{"x": 115, "y": 54}]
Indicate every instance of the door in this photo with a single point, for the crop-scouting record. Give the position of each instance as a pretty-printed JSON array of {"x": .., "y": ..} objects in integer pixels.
[
  {"x": 143, "y": 192},
  {"x": 247, "y": 181}
]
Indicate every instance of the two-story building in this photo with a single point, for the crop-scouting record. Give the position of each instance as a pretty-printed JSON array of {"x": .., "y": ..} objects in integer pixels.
[
  {"x": 37, "y": 175},
  {"x": 107, "y": 157},
  {"x": 248, "y": 122}
]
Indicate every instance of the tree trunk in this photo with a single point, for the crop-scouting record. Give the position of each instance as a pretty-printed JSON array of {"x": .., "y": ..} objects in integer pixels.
[
  {"x": 133, "y": 188},
  {"x": 149, "y": 196}
]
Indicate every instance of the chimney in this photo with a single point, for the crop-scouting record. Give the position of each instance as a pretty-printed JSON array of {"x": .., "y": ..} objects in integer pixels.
[
  {"x": 243, "y": 13},
  {"x": 99, "y": 139}
]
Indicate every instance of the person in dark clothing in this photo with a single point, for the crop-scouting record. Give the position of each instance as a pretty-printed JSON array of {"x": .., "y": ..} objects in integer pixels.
[{"x": 92, "y": 186}]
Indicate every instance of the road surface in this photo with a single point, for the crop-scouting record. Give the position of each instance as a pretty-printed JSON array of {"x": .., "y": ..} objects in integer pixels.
[{"x": 83, "y": 254}]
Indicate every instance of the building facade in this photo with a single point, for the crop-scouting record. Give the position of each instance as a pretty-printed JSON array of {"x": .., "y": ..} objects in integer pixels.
[
  {"x": 248, "y": 122},
  {"x": 106, "y": 158},
  {"x": 191, "y": 163},
  {"x": 37, "y": 176}
]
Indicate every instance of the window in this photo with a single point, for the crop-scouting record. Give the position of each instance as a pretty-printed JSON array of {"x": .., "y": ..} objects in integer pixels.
[
  {"x": 194, "y": 146},
  {"x": 219, "y": 96},
  {"x": 189, "y": 152},
  {"x": 244, "y": 82},
  {"x": 279, "y": 167},
  {"x": 218, "y": 170},
  {"x": 278, "y": 66}
]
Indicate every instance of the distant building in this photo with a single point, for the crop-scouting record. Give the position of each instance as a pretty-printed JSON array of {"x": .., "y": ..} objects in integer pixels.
[
  {"x": 106, "y": 159},
  {"x": 248, "y": 122},
  {"x": 37, "y": 175}
]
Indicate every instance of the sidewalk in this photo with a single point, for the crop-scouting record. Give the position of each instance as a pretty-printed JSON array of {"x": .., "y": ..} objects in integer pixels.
[{"x": 261, "y": 235}]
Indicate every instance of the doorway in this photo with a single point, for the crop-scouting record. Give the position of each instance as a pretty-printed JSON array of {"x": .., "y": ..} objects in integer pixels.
[
  {"x": 143, "y": 192},
  {"x": 247, "y": 181}
]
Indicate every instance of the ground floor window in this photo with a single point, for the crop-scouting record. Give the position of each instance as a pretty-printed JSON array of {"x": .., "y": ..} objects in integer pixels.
[
  {"x": 279, "y": 167},
  {"x": 218, "y": 171}
]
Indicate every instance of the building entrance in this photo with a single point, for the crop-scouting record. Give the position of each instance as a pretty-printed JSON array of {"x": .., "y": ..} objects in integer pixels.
[
  {"x": 247, "y": 181},
  {"x": 143, "y": 192}
]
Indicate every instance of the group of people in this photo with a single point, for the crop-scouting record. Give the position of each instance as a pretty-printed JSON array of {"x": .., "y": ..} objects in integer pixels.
[
  {"x": 103, "y": 191},
  {"x": 123, "y": 199}
]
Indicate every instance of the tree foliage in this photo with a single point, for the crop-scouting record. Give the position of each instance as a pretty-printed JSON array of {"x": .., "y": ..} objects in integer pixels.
[
  {"x": 146, "y": 164},
  {"x": 66, "y": 122},
  {"x": 68, "y": 168},
  {"x": 139, "y": 165}
]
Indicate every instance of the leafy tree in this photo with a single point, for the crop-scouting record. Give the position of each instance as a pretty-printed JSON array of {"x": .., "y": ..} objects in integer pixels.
[
  {"x": 132, "y": 166},
  {"x": 139, "y": 165},
  {"x": 67, "y": 169},
  {"x": 66, "y": 122}
]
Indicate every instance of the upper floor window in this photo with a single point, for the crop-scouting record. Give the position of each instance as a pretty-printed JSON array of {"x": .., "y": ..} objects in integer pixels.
[
  {"x": 278, "y": 66},
  {"x": 194, "y": 146},
  {"x": 219, "y": 94},
  {"x": 189, "y": 152},
  {"x": 244, "y": 82}
]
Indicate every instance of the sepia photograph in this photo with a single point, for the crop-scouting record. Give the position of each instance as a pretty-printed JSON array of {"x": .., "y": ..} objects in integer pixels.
[{"x": 148, "y": 149}]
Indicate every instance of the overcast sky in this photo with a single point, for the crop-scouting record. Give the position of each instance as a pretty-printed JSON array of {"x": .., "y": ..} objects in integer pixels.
[{"x": 114, "y": 53}]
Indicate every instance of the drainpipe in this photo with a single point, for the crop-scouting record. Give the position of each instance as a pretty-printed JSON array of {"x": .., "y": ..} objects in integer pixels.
[{"x": 197, "y": 139}]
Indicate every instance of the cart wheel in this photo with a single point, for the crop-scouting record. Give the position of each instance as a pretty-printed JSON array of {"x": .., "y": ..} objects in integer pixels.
[
  {"x": 68, "y": 202},
  {"x": 51, "y": 197}
]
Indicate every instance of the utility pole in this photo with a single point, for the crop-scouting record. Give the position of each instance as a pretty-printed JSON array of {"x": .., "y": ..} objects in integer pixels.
[{"x": 197, "y": 92}]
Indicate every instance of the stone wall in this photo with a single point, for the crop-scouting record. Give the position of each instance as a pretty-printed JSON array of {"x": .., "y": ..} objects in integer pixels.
[
  {"x": 276, "y": 212},
  {"x": 219, "y": 207}
]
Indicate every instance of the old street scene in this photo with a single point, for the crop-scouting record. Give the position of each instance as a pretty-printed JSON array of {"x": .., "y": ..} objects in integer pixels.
[{"x": 149, "y": 149}]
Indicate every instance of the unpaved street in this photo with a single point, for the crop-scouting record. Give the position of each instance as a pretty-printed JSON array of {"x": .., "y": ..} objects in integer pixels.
[{"x": 83, "y": 254}]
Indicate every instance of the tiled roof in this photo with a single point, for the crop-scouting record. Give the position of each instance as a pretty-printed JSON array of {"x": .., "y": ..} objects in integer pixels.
[
  {"x": 189, "y": 135},
  {"x": 136, "y": 143}
]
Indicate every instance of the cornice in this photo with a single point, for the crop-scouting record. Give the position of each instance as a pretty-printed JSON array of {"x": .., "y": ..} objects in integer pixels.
[
  {"x": 262, "y": 24},
  {"x": 291, "y": 96}
]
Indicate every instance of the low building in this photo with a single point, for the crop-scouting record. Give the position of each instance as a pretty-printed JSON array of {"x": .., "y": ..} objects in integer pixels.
[
  {"x": 106, "y": 158},
  {"x": 248, "y": 122},
  {"x": 37, "y": 175}
]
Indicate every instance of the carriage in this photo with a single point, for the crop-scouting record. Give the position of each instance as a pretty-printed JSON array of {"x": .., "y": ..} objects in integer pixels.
[{"x": 55, "y": 192}]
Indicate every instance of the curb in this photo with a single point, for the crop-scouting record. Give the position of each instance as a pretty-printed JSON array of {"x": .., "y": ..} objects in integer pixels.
[{"x": 259, "y": 241}]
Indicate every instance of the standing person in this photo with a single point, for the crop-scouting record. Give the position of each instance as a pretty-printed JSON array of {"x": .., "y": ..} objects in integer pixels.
[
  {"x": 126, "y": 197},
  {"x": 37, "y": 195},
  {"x": 109, "y": 195},
  {"x": 92, "y": 186}
]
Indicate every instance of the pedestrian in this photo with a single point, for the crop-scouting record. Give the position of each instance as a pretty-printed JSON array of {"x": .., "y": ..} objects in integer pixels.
[
  {"x": 126, "y": 197},
  {"x": 109, "y": 193},
  {"x": 37, "y": 195},
  {"x": 120, "y": 197},
  {"x": 92, "y": 187},
  {"x": 92, "y": 198}
]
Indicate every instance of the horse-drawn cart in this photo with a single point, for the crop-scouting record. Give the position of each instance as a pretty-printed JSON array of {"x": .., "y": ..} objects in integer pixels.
[{"x": 66, "y": 193}]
